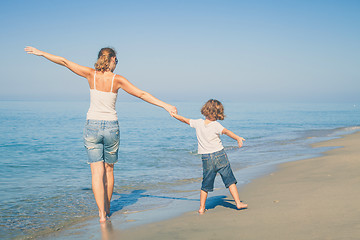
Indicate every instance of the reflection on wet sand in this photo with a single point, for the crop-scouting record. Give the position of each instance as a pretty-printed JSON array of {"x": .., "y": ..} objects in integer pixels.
[{"x": 107, "y": 231}]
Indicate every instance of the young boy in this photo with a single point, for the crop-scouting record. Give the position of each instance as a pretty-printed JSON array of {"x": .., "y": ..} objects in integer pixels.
[{"x": 214, "y": 158}]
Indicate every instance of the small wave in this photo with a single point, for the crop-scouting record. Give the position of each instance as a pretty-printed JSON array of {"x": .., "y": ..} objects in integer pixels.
[
  {"x": 188, "y": 180},
  {"x": 10, "y": 145},
  {"x": 353, "y": 128},
  {"x": 343, "y": 130},
  {"x": 231, "y": 148}
]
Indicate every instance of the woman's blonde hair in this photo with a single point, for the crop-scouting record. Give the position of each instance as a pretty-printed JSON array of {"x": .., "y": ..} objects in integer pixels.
[
  {"x": 213, "y": 110},
  {"x": 103, "y": 62}
]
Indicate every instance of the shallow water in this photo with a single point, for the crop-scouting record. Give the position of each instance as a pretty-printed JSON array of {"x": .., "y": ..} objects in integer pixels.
[{"x": 45, "y": 182}]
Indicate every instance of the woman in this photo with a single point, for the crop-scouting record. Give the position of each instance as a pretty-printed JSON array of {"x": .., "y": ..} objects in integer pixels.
[{"x": 101, "y": 134}]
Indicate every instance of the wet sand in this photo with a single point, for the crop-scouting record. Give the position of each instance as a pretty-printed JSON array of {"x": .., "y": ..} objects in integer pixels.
[{"x": 315, "y": 198}]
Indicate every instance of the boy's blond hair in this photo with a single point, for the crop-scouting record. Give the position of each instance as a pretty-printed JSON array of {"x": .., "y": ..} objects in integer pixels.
[{"x": 213, "y": 110}]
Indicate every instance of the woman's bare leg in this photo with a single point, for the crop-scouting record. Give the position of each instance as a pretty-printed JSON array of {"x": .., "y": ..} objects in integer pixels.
[
  {"x": 98, "y": 186},
  {"x": 234, "y": 192},
  {"x": 109, "y": 186}
]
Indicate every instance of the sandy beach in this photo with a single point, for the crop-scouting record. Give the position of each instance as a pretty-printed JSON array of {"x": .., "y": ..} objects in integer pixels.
[{"x": 308, "y": 199}]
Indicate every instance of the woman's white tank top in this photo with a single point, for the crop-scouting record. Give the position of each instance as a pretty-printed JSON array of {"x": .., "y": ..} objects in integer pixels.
[{"x": 102, "y": 104}]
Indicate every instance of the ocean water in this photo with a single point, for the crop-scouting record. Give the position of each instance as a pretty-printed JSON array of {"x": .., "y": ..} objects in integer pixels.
[{"x": 45, "y": 182}]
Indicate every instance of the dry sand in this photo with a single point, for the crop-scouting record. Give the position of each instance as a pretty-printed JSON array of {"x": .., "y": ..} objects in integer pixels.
[{"x": 315, "y": 198}]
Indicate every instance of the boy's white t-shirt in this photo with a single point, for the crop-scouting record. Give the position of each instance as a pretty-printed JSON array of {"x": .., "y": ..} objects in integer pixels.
[{"x": 208, "y": 135}]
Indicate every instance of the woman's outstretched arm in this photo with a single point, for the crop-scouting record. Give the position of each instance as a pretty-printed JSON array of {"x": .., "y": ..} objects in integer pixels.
[
  {"x": 83, "y": 71},
  {"x": 147, "y": 97}
]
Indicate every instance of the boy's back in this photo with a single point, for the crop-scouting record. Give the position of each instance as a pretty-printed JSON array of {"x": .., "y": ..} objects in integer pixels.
[{"x": 208, "y": 135}]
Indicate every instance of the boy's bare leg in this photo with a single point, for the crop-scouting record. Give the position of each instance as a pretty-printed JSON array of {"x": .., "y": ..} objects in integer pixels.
[
  {"x": 203, "y": 196},
  {"x": 234, "y": 192}
]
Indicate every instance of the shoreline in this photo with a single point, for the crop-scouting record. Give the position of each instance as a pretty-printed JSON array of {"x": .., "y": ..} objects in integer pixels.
[
  {"x": 133, "y": 226},
  {"x": 314, "y": 198}
]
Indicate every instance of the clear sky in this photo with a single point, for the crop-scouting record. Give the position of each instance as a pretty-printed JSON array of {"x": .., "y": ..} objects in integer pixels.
[{"x": 300, "y": 51}]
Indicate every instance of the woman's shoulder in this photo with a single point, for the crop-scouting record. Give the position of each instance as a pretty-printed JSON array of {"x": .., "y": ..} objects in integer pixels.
[{"x": 119, "y": 78}]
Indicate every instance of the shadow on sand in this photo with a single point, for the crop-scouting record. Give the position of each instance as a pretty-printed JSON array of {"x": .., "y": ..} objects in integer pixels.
[
  {"x": 222, "y": 200},
  {"x": 131, "y": 198}
]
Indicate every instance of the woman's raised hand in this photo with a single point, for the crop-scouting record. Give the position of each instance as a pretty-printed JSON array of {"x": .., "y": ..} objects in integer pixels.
[{"x": 32, "y": 50}]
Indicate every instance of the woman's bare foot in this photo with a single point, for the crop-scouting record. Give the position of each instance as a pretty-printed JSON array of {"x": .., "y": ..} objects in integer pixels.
[
  {"x": 102, "y": 217},
  {"x": 241, "y": 205},
  {"x": 202, "y": 210}
]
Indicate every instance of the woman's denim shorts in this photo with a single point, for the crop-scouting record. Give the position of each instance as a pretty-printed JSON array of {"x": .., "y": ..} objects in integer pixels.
[
  {"x": 214, "y": 163},
  {"x": 101, "y": 140}
]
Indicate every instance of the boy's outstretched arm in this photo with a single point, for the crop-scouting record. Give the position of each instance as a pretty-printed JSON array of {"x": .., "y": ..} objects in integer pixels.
[
  {"x": 233, "y": 136},
  {"x": 181, "y": 118}
]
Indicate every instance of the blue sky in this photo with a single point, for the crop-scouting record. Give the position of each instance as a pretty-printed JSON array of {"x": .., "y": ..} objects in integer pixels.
[{"x": 291, "y": 51}]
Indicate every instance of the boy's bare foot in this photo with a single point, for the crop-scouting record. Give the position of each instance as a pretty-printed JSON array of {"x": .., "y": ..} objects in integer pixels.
[
  {"x": 241, "y": 205},
  {"x": 202, "y": 210}
]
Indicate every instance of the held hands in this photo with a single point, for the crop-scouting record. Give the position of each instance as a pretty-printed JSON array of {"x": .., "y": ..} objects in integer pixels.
[
  {"x": 32, "y": 50},
  {"x": 240, "y": 141},
  {"x": 171, "y": 110}
]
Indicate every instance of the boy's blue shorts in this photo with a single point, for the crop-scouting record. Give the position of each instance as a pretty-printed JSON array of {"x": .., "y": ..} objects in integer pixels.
[{"x": 214, "y": 163}]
